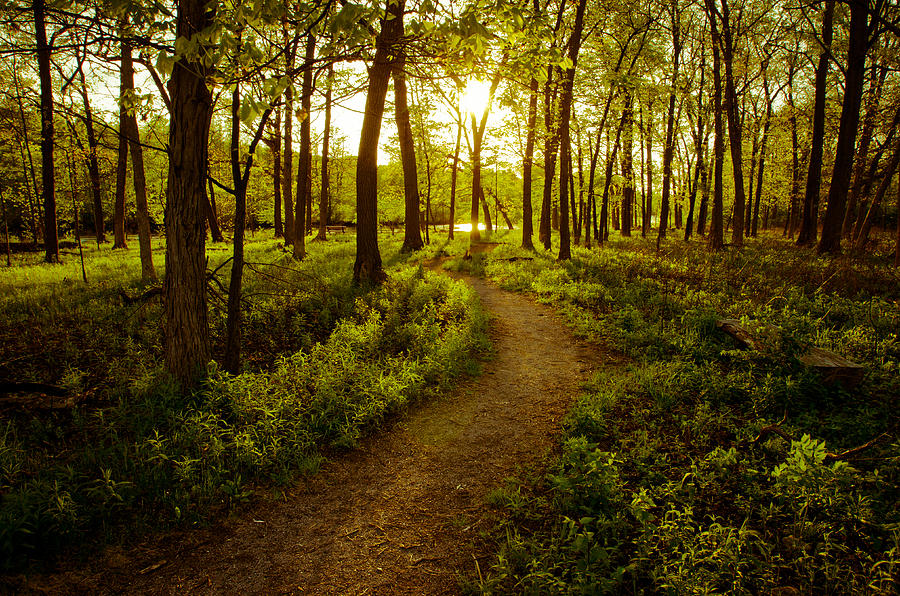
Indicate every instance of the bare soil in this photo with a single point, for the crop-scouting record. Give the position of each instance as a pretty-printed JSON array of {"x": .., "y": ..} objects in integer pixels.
[{"x": 405, "y": 513}]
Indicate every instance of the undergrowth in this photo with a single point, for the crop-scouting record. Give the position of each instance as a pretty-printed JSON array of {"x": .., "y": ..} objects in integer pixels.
[
  {"x": 700, "y": 468},
  {"x": 326, "y": 362}
]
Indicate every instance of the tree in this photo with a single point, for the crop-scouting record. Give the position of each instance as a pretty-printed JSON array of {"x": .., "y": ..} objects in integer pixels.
[
  {"x": 51, "y": 237},
  {"x": 187, "y": 347},
  {"x": 669, "y": 149},
  {"x": 367, "y": 268},
  {"x": 412, "y": 237}
]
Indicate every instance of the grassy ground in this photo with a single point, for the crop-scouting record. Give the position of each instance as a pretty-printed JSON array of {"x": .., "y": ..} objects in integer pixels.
[
  {"x": 325, "y": 362},
  {"x": 672, "y": 477}
]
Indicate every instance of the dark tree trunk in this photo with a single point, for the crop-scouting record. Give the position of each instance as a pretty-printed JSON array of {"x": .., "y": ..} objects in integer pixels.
[
  {"x": 138, "y": 176},
  {"x": 367, "y": 268},
  {"x": 647, "y": 224},
  {"x": 627, "y": 165},
  {"x": 699, "y": 142},
  {"x": 187, "y": 348},
  {"x": 762, "y": 156},
  {"x": 453, "y": 177},
  {"x": 92, "y": 161},
  {"x": 716, "y": 238},
  {"x": 869, "y": 220},
  {"x": 304, "y": 165},
  {"x": 789, "y": 224},
  {"x": 591, "y": 200},
  {"x": 120, "y": 238},
  {"x": 276, "y": 174},
  {"x": 326, "y": 138},
  {"x": 212, "y": 215},
  {"x": 412, "y": 237},
  {"x": 527, "y": 164},
  {"x": 551, "y": 144},
  {"x": 565, "y": 248},
  {"x": 287, "y": 172},
  {"x": 51, "y": 234},
  {"x": 28, "y": 169},
  {"x": 669, "y": 149},
  {"x": 846, "y": 142},
  {"x": 810, "y": 217},
  {"x": 610, "y": 163}
]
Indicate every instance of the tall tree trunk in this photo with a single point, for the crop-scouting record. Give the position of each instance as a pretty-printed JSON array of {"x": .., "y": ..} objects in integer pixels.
[
  {"x": 551, "y": 145},
  {"x": 92, "y": 161},
  {"x": 762, "y": 156},
  {"x": 648, "y": 215},
  {"x": 789, "y": 225},
  {"x": 669, "y": 149},
  {"x": 591, "y": 222},
  {"x": 704, "y": 189},
  {"x": 120, "y": 237},
  {"x": 187, "y": 348},
  {"x": 51, "y": 237},
  {"x": 716, "y": 238},
  {"x": 304, "y": 165},
  {"x": 810, "y": 217},
  {"x": 610, "y": 163},
  {"x": 287, "y": 172},
  {"x": 453, "y": 177},
  {"x": 25, "y": 150},
  {"x": 699, "y": 142},
  {"x": 412, "y": 237},
  {"x": 527, "y": 164},
  {"x": 211, "y": 212},
  {"x": 846, "y": 142},
  {"x": 627, "y": 165},
  {"x": 326, "y": 138},
  {"x": 367, "y": 268},
  {"x": 276, "y": 173},
  {"x": 138, "y": 177}
]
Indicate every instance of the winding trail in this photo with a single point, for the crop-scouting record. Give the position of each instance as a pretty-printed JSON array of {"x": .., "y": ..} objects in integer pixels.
[{"x": 403, "y": 514}]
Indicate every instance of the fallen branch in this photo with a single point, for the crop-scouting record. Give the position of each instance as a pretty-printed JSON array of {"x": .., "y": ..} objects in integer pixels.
[
  {"x": 775, "y": 429},
  {"x": 143, "y": 297}
]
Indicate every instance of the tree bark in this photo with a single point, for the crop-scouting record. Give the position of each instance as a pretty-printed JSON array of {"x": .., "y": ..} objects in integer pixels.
[
  {"x": 187, "y": 348},
  {"x": 287, "y": 172},
  {"x": 551, "y": 144},
  {"x": 453, "y": 177},
  {"x": 875, "y": 205},
  {"x": 367, "y": 268},
  {"x": 138, "y": 176},
  {"x": 51, "y": 234},
  {"x": 92, "y": 161},
  {"x": 412, "y": 237},
  {"x": 326, "y": 138},
  {"x": 276, "y": 174},
  {"x": 810, "y": 217},
  {"x": 716, "y": 237},
  {"x": 846, "y": 142},
  {"x": 527, "y": 165},
  {"x": 304, "y": 165},
  {"x": 669, "y": 148},
  {"x": 627, "y": 166}
]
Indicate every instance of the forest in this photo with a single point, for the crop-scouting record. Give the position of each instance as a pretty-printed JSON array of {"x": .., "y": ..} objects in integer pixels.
[{"x": 469, "y": 296}]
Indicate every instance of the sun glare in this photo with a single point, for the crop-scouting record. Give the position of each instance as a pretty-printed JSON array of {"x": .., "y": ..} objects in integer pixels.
[{"x": 475, "y": 96}]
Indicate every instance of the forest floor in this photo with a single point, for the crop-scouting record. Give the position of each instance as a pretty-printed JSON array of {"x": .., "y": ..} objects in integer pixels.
[{"x": 405, "y": 513}]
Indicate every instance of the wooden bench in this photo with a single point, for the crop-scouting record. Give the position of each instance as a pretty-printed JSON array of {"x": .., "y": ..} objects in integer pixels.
[
  {"x": 834, "y": 368},
  {"x": 340, "y": 229}
]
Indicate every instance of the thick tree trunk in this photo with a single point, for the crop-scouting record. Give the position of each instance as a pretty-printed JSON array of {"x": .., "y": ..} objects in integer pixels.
[
  {"x": 287, "y": 172},
  {"x": 138, "y": 176},
  {"x": 304, "y": 165},
  {"x": 551, "y": 144},
  {"x": 51, "y": 234},
  {"x": 810, "y": 217},
  {"x": 846, "y": 142},
  {"x": 527, "y": 164},
  {"x": 326, "y": 138},
  {"x": 187, "y": 348},
  {"x": 367, "y": 268},
  {"x": 412, "y": 237}
]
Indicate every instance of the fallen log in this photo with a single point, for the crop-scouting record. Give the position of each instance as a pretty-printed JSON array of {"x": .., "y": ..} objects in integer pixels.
[{"x": 833, "y": 367}]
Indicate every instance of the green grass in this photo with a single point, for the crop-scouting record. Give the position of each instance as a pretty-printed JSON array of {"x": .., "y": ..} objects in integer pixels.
[
  {"x": 326, "y": 362},
  {"x": 662, "y": 485}
]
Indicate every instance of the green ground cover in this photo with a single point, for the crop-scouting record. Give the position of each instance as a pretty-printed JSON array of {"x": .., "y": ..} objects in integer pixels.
[
  {"x": 326, "y": 362},
  {"x": 670, "y": 477}
]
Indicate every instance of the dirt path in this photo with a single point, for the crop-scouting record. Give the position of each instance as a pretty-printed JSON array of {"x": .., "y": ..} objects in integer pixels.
[{"x": 400, "y": 515}]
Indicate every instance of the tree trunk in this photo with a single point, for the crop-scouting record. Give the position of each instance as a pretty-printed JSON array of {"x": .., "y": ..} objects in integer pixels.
[
  {"x": 28, "y": 169},
  {"x": 367, "y": 268},
  {"x": 276, "y": 174},
  {"x": 527, "y": 164},
  {"x": 51, "y": 234},
  {"x": 810, "y": 217},
  {"x": 869, "y": 220},
  {"x": 92, "y": 161},
  {"x": 627, "y": 165},
  {"x": 412, "y": 237},
  {"x": 648, "y": 215},
  {"x": 287, "y": 172},
  {"x": 304, "y": 165},
  {"x": 716, "y": 238},
  {"x": 762, "y": 156},
  {"x": 138, "y": 177},
  {"x": 669, "y": 149},
  {"x": 453, "y": 176},
  {"x": 187, "y": 348},
  {"x": 846, "y": 142},
  {"x": 789, "y": 226},
  {"x": 610, "y": 162},
  {"x": 551, "y": 144},
  {"x": 326, "y": 137}
]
